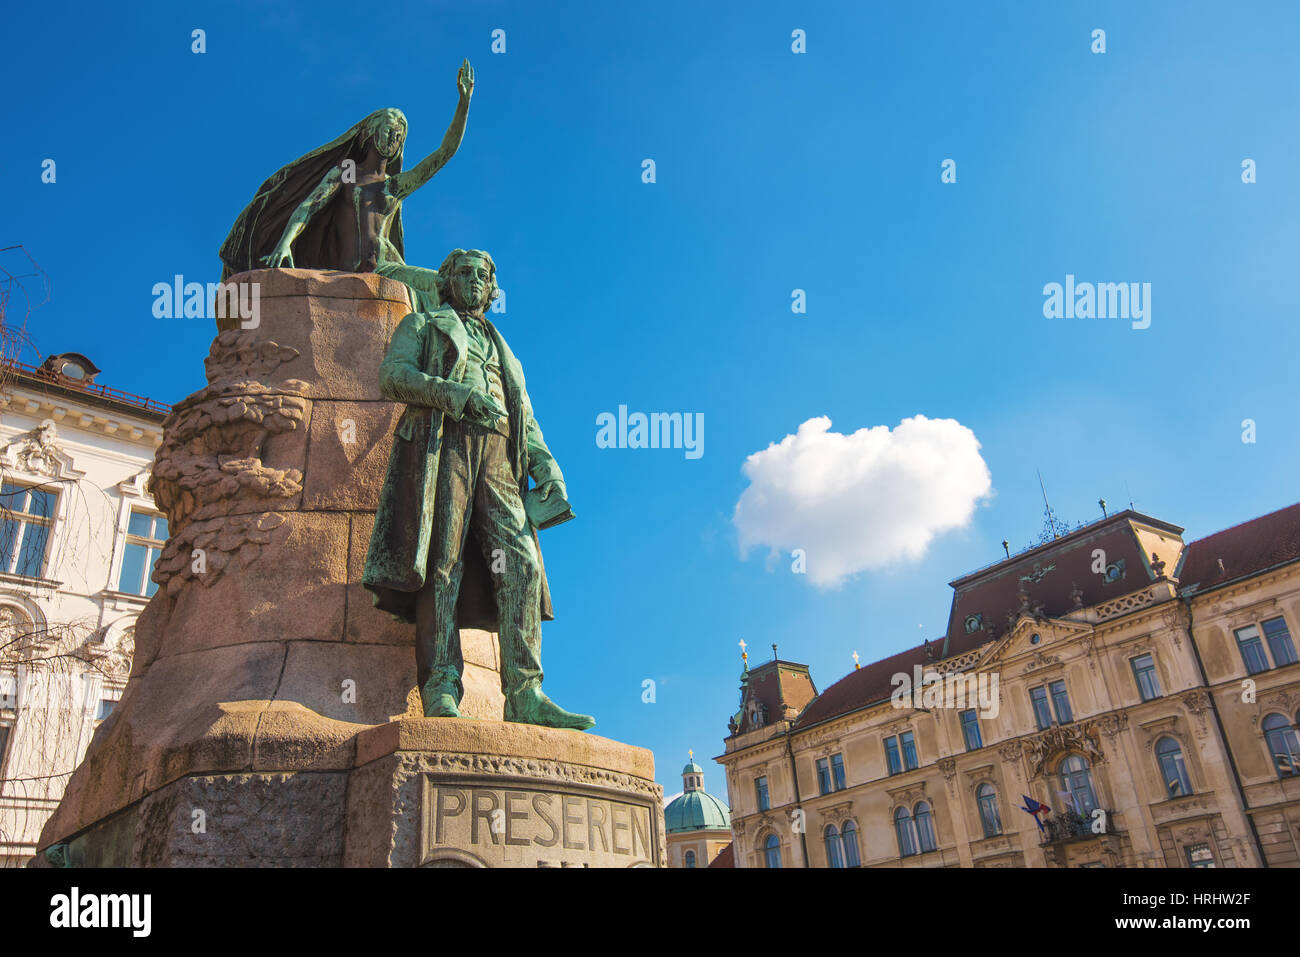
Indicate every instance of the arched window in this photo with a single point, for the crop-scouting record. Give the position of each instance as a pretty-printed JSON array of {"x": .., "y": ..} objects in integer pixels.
[
  {"x": 1076, "y": 782},
  {"x": 906, "y": 835},
  {"x": 1283, "y": 744},
  {"x": 987, "y": 799},
  {"x": 850, "y": 840},
  {"x": 834, "y": 848},
  {"x": 772, "y": 851},
  {"x": 1172, "y": 768},
  {"x": 924, "y": 827},
  {"x": 689, "y": 858}
]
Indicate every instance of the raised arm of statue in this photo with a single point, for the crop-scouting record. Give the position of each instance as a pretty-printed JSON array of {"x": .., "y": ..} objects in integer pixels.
[
  {"x": 403, "y": 184},
  {"x": 282, "y": 255}
]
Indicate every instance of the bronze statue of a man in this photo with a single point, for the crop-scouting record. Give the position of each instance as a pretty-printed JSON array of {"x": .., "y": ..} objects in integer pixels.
[{"x": 454, "y": 543}]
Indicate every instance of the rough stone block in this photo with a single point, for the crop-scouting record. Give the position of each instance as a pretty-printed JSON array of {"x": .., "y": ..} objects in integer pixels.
[{"x": 348, "y": 454}]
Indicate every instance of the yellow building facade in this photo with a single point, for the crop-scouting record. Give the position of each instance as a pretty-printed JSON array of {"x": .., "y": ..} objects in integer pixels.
[{"x": 1137, "y": 694}]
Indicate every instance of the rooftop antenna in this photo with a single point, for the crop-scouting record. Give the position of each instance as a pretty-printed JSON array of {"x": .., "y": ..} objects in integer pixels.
[
  {"x": 1051, "y": 519},
  {"x": 1130, "y": 495}
]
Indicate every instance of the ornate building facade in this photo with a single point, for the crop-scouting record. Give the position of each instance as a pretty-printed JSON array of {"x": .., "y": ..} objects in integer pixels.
[
  {"x": 79, "y": 535},
  {"x": 1112, "y": 697}
]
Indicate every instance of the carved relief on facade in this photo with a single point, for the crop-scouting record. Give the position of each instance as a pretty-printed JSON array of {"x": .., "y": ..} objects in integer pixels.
[
  {"x": 837, "y": 814},
  {"x": 17, "y": 633},
  {"x": 948, "y": 766},
  {"x": 907, "y": 795},
  {"x": 112, "y": 658},
  {"x": 1040, "y": 660},
  {"x": 1043, "y": 748},
  {"x": 35, "y": 452},
  {"x": 1113, "y": 723},
  {"x": 1283, "y": 699}
]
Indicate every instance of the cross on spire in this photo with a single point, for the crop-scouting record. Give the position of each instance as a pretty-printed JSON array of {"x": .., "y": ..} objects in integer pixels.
[{"x": 856, "y": 666}]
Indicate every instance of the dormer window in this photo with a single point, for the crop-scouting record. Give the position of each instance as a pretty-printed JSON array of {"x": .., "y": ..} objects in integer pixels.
[{"x": 71, "y": 365}]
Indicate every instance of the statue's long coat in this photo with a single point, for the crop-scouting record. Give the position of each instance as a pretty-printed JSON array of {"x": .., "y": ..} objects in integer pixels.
[{"x": 423, "y": 367}]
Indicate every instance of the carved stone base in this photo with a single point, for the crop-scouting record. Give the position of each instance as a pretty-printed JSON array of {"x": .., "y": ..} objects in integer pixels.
[{"x": 433, "y": 792}]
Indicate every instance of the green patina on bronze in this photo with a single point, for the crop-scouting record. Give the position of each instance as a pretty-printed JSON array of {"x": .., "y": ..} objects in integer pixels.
[
  {"x": 454, "y": 543},
  {"x": 340, "y": 206}
]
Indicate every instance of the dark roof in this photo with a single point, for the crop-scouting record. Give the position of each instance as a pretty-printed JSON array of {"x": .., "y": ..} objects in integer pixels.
[
  {"x": 1050, "y": 574},
  {"x": 726, "y": 857},
  {"x": 1247, "y": 548},
  {"x": 991, "y": 600},
  {"x": 866, "y": 685}
]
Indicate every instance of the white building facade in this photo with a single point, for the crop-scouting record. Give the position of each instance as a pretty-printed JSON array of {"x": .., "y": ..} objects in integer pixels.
[{"x": 78, "y": 537}]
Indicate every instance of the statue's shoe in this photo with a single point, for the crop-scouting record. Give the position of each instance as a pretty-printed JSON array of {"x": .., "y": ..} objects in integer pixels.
[
  {"x": 531, "y": 706},
  {"x": 440, "y": 705}
]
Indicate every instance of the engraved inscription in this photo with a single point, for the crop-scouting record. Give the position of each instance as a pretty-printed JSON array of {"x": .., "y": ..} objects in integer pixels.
[{"x": 499, "y": 826}]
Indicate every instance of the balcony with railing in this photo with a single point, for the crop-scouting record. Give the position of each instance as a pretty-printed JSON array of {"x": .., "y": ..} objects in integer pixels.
[{"x": 1068, "y": 826}]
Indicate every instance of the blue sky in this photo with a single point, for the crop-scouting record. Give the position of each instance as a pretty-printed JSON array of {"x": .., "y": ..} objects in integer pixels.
[{"x": 775, "y": 171}]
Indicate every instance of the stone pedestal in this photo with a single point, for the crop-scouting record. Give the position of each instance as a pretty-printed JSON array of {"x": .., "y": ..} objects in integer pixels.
[{"x": 272, "y": 716}]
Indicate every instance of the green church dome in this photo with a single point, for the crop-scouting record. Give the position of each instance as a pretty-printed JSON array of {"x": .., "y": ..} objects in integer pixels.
[
  {"x": 694, "y": 811},
  {"x": 692, "y": 768}
]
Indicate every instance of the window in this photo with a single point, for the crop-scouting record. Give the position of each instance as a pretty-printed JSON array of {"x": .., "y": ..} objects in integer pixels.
[
  {"x": 906, "y": 837},
  {"x": 1199, "y": 855},
  {"x": 909, "y": 750},
  {"x": 892, "y": 758},
  {"x": 1283, "y": 744},
  {"x": 837, "y": 771},
  {"x": 987, "y": 800},
  {"x": 25, "y": 528},
  {"x": 830, "y": 773},
  {"x": 1144, "y": 670},
  {"x": 924, "y": 827},
  {"x": 834, "y": 847},
  {"x": 4, "y": 744},
  {"x": 1042, "y": 711},
  {"x": 823, "y": 776},
  {"x": 1076, "y": 783},
  {"x": 146, "y": 534},
  {"x": 1061, "y": 702},
  {"x": 772, "y": 851},
  {"x": 760, "y": 791},
  {"x": 1172, "y": 769},
  {"x": 970, "y": 729},
  {"x": 1279, "y": 642},
  {"x": 689, "y": 858},
  {"x": 850, "y": 841},
  {"x": 1252, "y": 650},
  {"x": 105, "y": 708}
]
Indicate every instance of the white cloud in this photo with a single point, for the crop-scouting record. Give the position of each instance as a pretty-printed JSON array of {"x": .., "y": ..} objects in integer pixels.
[{"x": 861, "y": 501}]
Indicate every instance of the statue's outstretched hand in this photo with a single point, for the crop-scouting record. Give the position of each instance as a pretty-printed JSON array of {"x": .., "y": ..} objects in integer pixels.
[{"x": 465, "y": 80}]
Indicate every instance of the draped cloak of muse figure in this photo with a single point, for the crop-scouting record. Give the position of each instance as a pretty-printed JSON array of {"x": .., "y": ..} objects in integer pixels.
[
  {"x": 340, "y": 206},
  {"x": 456, "y": 509}
]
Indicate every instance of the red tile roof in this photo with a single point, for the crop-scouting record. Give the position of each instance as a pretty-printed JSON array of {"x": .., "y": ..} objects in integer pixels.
[
  {"x": 726, "y": 857},
  {"x": 1245, "y": 549},
  {"x": 865, "y": 685}
]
